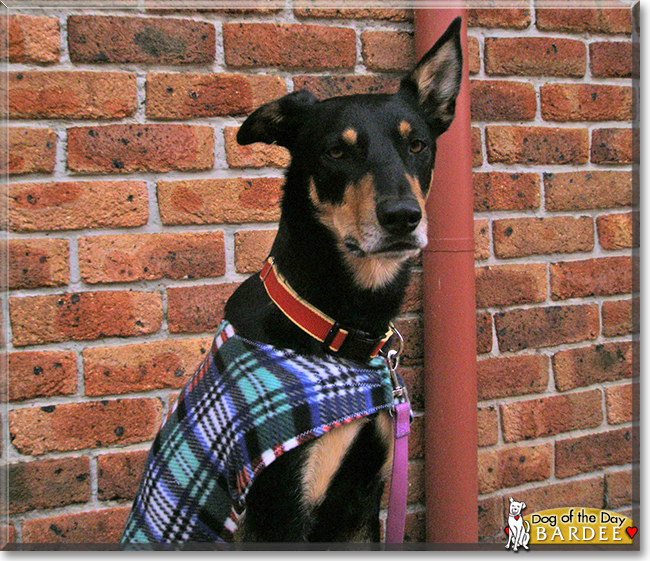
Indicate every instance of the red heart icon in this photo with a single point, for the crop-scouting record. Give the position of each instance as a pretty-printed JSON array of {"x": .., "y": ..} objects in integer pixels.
[
  {"x": 631, "y": 531},
  {"x": 517, "y": 517},
  {"x": 507, "y": 530}
]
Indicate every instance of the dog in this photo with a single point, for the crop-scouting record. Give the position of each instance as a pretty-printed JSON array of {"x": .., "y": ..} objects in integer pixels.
[
  {"x": 352, "y": 218},
  {"x": 518, "y": 534}
]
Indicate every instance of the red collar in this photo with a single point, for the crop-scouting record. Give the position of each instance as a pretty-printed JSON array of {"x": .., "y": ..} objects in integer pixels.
[{"x": 348, "y": 343}]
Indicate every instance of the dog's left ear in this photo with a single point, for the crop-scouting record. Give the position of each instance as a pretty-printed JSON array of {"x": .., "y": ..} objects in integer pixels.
[{"x": 436, "y": 78}]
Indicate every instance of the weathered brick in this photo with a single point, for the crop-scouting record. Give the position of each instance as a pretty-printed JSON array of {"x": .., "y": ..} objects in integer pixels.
[
  {"x": 75, "y": 205},
  {"x": 41, "y": 374},
  {"x": 131, "y": 148},
  {"x": 587, "y": 453},
  {"x": 95, "y": 526},
  {"x": 496, "y": 100},
  {"x": 332, "y": 85},
  {"x": 481, "y": 239},
  {"x": 142, "y": 367},
  {"x": 503, "y": 18},
  {"x": 511, "y": 376},
  {"x": 517, "y": 237},
  {"x": 83, "y": 316},
  {"x": 622, "y": 403},
  {"x": 473, "y": 55},
  {"x": 535, "y": 56},
  {"x": 581, "y": 190},
  {"x": 584, "y": 20},
  {"x": 538, "y": 418},
  {"x": 510, "y": 467},
  {"x": 75, "y": 426},
  {"x": 7, "y": 535},
  {"x": 48, "y": 484},
  {"x": 504, "y": 285},
  {"x": 413, "y": 377},
  {"x": 537, "y": 145},
  {"x": 113, "y": 39},
  {"x": 546, "y": 327},
  {"x": 621, "y": 317},
  {"x": 252, "y": 247},
  {"x": 29, "y": 150},
  {"x": 496, "y": 190},
  {"x": 126, "y": 258},
  {"x": 416, "y": 439},
  {"x": 603, "y": 276},
  {"x": 620, "y": 489},
  {"x": 488, "y": 426},
  {"x": 483, "y": 333},
  {"x": 219, "y": 201},
  {"x": 190, "y": 96},
  {"x": 29, "y": 39},
  {"x": 584, "y": 492},
  {"x": 388, "y": 51},
  {"x": 119, "y": 474},
  {"x": 412, "y": 331},
  {"x": 332, "y": 11},
  {"x": 71, "y": 95},
  {"x": 611, "y": 59},
  {"x": 477, "y": 147},
  {"x": 270, "y": 44},
  {"x": 36, "y": 262},
  {"x": 197, "y": 309},
  {"x": 586, "y": 102},
  {"x": 614, "y": 146},
  {"x": 596, "y": 364},
  {"x": 490, "y": 520},
  {"x": 619, "y": 231},
  {"x": 256, "y": 155},
  {"x": 412, "y": 302}
]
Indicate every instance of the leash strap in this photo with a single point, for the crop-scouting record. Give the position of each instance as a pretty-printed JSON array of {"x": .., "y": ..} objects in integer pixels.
[{"x": 399, "y": 480}]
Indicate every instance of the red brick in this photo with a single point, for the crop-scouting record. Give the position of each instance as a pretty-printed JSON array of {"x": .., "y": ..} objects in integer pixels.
[
  {"x": 412, "y": 302},
  {"x": 131, "y": 148},
  {"x": 29, "y": 39},
  {"x": 37, "y": 262},
  {"x": 142, "y": 367},
  {"x": 113, "y": 39},
  {"x": 48, "y": 484},
  {"x": 535, "y": 56},
  {"x": 190, "y": 96},
  {"x": 7, "y": 535},
  {"x": 164, "y": 7},
  {"x": 197, "y": 309},
  {"x": 29, "y": 150},
  {"x": 619, "y": 231},
  {"x": 510, "y": 467},
  {"x": 473, "y": 55},
  {"x": 118, "y": 475},
  {"x": 592, "y": 277},
  {"x": 219, "y": 201},
  {"x": 252, "y": 247},
  {"x": 477, "y": 147},
  {"x": 584, "y": 20},
  {"x": 585, "y": 366},
  {"x": 75, "y": 426},
  {"x": 415, "y": 527},
  {"x": 270, "y": 44},
  {"x": 582, "y": 190},
  {"x": 488, "y": 426},
  {"x": 511, "y": 376},
  {"x": 331, "y": 85},
  {"x": 503, "y": 18},
  {"x": 481, "y": 239},
  {"x": 83, "y": 316},
  {"x": 257, "y": 155},
  {"x": 41, "y": 374},
  {"x": 611, "y": 59},
  {"x": 587, "y": 453},
  {"x": 586, "y": 102},
  {"x": 518, "y": 237},
  {"x": 483, "y": 333},
  {"x": 504, "y": 285},
  {"x": 505, "y": 191},
  {"x": 75, "y": 205},
  {"x": 490, "y": 520},
  {"x": 614, "y": 146},
  {"x": 96, "y": 526},
  {"x": 412, "y": 331},
  {"x": 622, "y": 404},
  {"x": 620, "y": 317},
  {"x": 620, "y": 489},
  {"x": 71, "y": 95},
  {"x": 546, "y": 327},
  {"x": 389, "y": 14},
  {"x": 584, "y": 492},
  {"x": 413, "y": 377},
  {"x": 416, "y": 439},
  {"x": 496, "y": 100},
  {"x": 388, "y": 51},
  {"x": 127, "y": 258},
  {"x": 538, "y": 418},
  {"x": 537, "y": 145}
]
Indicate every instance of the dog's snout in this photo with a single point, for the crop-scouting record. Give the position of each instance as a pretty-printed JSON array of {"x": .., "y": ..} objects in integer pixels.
[{"x": 399, "y": 216}]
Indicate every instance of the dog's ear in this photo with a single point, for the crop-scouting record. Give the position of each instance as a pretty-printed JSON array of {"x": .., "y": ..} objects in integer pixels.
[
  {"x": 511, "y": 499},
  {"x": 523, "y": 506},
  {"x": 276, "y": 122},
  {"x": 436, "y": 78}
]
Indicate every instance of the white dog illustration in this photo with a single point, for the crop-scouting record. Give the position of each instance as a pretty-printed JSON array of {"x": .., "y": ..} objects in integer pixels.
[{"x": 517, "y": 534}]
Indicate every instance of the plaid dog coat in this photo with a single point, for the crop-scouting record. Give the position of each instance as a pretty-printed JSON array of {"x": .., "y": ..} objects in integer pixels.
[{"x": 246, "y": 405}]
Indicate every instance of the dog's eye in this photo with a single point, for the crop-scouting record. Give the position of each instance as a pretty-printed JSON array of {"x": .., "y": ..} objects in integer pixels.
[
  {"x": 336, "y": 152},
  {"x": 416, "y": 146}
]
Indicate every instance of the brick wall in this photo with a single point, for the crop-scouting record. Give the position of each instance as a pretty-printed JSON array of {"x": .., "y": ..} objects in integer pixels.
[{"x": 133, "y": 215}]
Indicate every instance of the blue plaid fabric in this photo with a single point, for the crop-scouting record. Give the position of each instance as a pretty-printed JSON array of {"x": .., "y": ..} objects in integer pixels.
[{"x": 246, "y": 405}]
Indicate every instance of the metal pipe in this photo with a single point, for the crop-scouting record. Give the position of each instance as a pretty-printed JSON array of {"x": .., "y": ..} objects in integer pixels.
[{"x": 450, "y": 316}]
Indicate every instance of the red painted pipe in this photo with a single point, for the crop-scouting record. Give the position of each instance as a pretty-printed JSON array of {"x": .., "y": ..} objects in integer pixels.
[{"x": 450, "y": 316}]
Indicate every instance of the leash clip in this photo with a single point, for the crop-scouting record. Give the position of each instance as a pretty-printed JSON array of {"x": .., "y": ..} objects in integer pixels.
[{"x": 392, "y": 361}]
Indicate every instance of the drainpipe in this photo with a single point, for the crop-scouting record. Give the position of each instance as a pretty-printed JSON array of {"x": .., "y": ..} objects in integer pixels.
[{"x": 450, "y": 315}]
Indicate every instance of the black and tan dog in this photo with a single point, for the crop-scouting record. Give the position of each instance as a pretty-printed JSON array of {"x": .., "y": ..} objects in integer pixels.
[{"x": 352, "y": 216}]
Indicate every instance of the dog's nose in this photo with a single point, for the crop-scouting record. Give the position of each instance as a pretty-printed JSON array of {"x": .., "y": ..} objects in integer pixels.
[{"x": 399, "y": 216}]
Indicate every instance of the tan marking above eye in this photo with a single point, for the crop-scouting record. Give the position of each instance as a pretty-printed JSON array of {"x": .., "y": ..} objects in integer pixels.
[
  {"x": 350, "y": 136},
  {"x": 405, "y": 129}
]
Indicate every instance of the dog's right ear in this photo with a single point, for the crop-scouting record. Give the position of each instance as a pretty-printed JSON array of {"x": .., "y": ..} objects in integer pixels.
[
  {"x": 511, "y": 499},
  {"x": 277, "y": 122}
]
